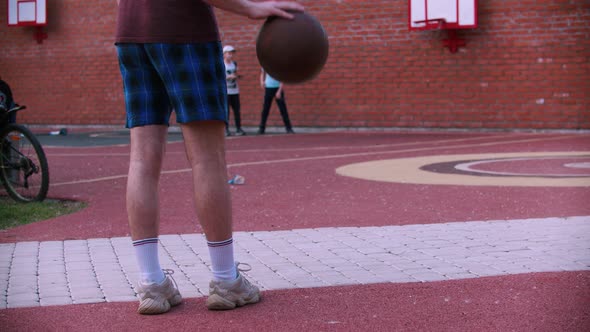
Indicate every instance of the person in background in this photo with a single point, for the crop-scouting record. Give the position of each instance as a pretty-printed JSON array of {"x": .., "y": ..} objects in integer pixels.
[
  {"x": 273, "y": 89},
  {"x": 233, "y": 90}
]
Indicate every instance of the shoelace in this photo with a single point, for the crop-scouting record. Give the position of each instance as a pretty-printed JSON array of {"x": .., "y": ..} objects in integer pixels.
[
  {"x": 170, "y": 272},
  {"x": 248, "y": 267}
]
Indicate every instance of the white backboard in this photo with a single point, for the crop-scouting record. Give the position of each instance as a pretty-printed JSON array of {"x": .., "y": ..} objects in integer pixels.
[{"x": 27, "y": 12}]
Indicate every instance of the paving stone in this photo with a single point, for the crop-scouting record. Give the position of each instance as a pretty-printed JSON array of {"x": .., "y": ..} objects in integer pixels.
[
  {"x": 76, "y": 289},
  {"x": 75, "y": 266},
  {"x": 22, "y": 281},
  {"x": 52, "y": 278},
  {"x": 317, "y": 267},
  {"x": 86, "y": 294},
  {"x": 87, "y": 278},
  {"x": 432, "y": 263},
  {"x": 89, "y": 300},
  {"x": 119, "y": 291},
  {"x": 428, "y": 276},
  {"x": 52, "y": 269},
  {"x": 482, "y": 270},
  {"x": 3, "y": 284},
  {"x": 275, "y": 284},
  {"x": 5, "y": 264},
  {"x": 334, "y": 278},
  {"x": 54, "y": 291},
  {"x": 56, "y": 300},
  {"x": 20, "y": 297},
  {"x": 449, "y": 269},
  {"x": 23, "y": 289},
  {"x": 107, "y": 268},
  {"x": 404, "y": 265},
  {"x": 23, "y": 270},
  {"x": 121, "y": 298},
  {"x": 78, "y": 257},
  {"x": 22, "y": 304}
]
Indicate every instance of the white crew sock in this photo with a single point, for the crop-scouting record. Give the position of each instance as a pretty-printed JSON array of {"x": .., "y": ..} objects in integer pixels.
[
  {"x": 222, "y": 259},
  {"x": 146, "y": 252}
]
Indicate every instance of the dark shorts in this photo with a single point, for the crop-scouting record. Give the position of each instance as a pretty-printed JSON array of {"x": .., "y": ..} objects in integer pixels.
[{"x": 186, "y": 78}]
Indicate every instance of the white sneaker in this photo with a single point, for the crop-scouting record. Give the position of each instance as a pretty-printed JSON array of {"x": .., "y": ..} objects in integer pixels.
[
  {"x": 225, "y": 295},
  {"x": 158, "y": 298}
]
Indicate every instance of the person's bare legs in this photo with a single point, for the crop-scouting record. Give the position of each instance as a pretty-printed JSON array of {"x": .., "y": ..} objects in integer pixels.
[
  {"x": 148, "y": 145},
  {"x": 157, "y": 292},
  {"x": 205, "y": 149}
]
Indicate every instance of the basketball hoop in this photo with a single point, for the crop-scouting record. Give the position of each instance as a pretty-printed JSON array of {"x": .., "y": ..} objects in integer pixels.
[
  {"x": 29, "y": 13},
  {"x": 450, "y": 15},
  {"x": 452, "y": 42}
]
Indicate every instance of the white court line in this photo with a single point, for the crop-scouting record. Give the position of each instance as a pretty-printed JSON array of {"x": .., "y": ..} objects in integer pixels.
[
  {"x": 347, "y": 155},
  {"x": 104, "y": 270},
  {"x": 317, "y": 148}
]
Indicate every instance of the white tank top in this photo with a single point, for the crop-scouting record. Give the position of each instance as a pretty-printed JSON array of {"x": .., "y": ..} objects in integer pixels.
[{"x": 232, "y": 85}]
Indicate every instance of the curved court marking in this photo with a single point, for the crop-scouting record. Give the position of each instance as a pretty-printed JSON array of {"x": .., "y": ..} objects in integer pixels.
[
  {"x": 346, "y": 155},
  {"x": 470, "y": 167},
  {"x": 407, "y": 170}
]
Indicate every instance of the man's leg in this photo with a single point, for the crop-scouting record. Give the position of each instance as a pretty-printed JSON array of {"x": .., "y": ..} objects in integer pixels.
[
  {"x": 148, "y": 144},
  {"x": 205, "y": 147},
  {"x": 147, "y": 152},
  {"x": 148, "y": 110},
  {"x": 234, "y": 101},
  {"x": 268, "y": 96},
  {"x": 202, "y": 127},
  {"x": 157, "y": 292},
  {"x": 227, "y": 131},
  {"x": 284, "y": 114}
]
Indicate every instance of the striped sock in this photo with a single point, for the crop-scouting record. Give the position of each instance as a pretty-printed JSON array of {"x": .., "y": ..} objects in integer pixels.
[
  {"x": 146, "y": 252},
  {"x": 222, "y": 259}
]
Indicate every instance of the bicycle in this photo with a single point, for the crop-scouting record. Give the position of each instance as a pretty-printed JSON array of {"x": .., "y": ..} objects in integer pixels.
[{"x": 24, "y": 171}]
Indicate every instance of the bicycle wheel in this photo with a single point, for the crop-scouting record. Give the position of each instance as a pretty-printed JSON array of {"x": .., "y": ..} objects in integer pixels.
[{"x": 23, "y": 165}]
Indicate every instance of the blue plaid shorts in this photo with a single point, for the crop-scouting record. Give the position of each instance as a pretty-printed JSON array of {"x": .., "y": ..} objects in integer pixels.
[{"x": 186, "y": 78}]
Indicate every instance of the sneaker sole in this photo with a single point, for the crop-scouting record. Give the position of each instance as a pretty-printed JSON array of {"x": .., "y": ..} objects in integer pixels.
[
  {"x": 216, "y": 302},
  {"x": 153, "y": 307}
]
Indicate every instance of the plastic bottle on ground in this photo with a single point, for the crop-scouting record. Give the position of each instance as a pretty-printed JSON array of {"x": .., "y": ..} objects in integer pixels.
[{"x": 237, "y": 179}]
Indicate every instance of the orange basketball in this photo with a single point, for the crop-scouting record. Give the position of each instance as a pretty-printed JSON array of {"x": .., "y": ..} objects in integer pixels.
[{"x": 292, "y": 51}]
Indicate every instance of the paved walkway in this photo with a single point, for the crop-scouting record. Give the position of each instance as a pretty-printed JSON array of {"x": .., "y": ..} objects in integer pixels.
[{"x": 103, "y": 270}]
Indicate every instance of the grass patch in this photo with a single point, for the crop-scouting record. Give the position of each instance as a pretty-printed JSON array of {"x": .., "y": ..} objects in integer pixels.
[{"x": 14, "y": 214}]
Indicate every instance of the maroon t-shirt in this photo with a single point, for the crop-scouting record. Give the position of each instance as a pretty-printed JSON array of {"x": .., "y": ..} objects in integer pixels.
[{"x": 158, "y": 21}]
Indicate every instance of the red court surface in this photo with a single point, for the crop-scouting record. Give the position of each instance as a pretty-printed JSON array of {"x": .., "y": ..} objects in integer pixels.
[
  {"x": 530, "y": 302},
  {"x": 292, "y": 182}
]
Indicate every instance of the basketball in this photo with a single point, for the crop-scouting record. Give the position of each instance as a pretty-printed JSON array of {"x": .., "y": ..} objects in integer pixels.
[{"x": 292, "y": 51}]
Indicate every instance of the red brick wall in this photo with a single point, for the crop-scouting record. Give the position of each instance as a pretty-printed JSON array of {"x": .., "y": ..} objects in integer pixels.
[{"x": 526, "y": 66}]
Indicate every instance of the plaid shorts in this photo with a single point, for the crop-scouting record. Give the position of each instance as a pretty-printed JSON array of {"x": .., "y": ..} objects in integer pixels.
[{"x": 186, "y": 78}]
